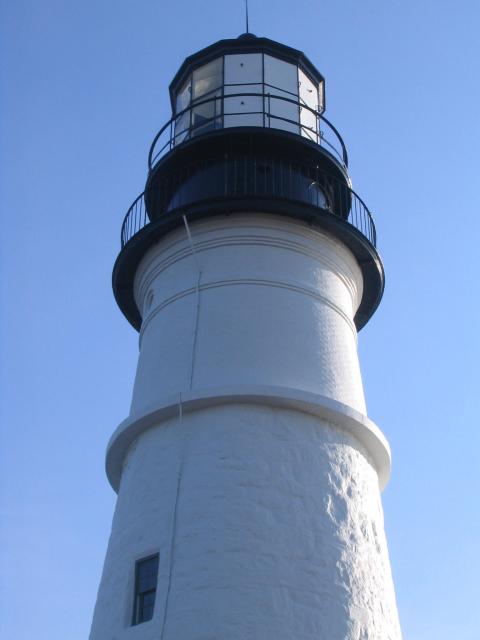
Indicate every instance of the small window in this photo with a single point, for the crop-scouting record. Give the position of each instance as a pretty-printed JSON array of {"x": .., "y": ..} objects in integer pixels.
[{"x": 146, "y": 575}]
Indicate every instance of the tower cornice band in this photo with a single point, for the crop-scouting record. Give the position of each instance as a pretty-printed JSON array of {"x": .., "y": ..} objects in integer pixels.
[{"x": 366, "y": 432}]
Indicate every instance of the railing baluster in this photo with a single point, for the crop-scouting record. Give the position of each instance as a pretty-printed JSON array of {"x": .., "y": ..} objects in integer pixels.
[
  {"x": 245, "y": 169},
  {"x": 225, "y": 177},
  {"x": 265, "y": 175},
  {"x": 235, "y": 176}
]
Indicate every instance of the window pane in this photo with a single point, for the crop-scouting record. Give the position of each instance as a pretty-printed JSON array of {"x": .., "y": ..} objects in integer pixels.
[
  {"x": 243, "y": 110},
  {"x": 146, "y": 576},
  {"x": 207, "y": 78},
  {"x": 147, "y": 582},
  {"x": 182, "y": 128},
  {"x": 308, "y": 97},
  {"x": 147, "y": 599},
  {"x": 280, "y": 74},
  {"x": 281, "y": 114},
  {"x": 281, "y": 79},
  {"x": 146, "y": 613},
  {"x": 147, "y": 567},
  {"x": 243, "y": 68},
  {"x": 308, "y": 91},
  {"x": 183, "y": 97},
  {"x": 182, "y": 123},
  {"x": 321, "y": 97},
  {"x": 208, "y": 115}
]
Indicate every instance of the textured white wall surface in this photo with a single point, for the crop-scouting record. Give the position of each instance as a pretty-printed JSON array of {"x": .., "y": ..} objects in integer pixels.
[
  {"x": 267, "y": 518},
  {"x": 276, "y": 305}
]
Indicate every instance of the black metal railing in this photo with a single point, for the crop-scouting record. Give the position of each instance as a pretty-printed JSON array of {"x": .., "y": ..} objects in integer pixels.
[
  {"x": 241, "y": 177},
  {"x": 135, "y": 220},
  {"x": 190, "y": 123}
]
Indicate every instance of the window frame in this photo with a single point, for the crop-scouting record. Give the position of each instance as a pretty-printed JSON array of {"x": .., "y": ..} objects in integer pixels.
[{"x": 139, "y": 595}]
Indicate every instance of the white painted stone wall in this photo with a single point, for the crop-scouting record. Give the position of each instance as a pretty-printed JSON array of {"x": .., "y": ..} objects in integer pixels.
[
  {"x": 276, "y": 306},
  {"x": 266, "y": 513}
]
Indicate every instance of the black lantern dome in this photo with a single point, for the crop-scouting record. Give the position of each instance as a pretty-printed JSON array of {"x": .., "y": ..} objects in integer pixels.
[{"x": 248, "y": 134}]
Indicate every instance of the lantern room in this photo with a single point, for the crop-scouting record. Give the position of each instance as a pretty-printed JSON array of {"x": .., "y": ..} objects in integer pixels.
[{"x": 255, "y": 83}]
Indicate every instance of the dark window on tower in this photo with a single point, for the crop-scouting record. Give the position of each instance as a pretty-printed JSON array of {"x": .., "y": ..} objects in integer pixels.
[{"x": 146, "y": 575}]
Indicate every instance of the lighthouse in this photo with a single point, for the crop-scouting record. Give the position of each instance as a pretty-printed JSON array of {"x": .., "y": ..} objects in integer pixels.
[{"x": 248, "y": 474}]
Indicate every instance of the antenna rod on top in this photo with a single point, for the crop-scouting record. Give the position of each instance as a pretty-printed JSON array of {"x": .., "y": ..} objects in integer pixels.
[{"x": 246, "y": 15}]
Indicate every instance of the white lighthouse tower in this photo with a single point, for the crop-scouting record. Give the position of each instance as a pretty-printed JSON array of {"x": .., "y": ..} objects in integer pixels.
[{"x": 248, "y": 473}]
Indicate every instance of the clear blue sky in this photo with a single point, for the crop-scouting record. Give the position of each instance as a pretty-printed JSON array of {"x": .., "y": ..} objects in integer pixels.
[{"x": 84, "y": 90}]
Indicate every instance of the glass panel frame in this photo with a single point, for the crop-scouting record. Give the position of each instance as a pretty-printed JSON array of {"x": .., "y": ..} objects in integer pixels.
[{"x": 146, "y": 580}]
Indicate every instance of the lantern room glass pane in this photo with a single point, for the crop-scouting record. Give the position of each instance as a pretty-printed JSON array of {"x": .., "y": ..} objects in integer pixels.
[
  {"x": 182, "y": 123},
  {"x": 207, "y": 78},
  {"x": 280, "y": 75},
  {"x": 321, "y": 97},
  {"x": 243, "y": 110},
  {"x": 244, "y": 68},
  {"x": 183, "y": 96},
  {"x": 309, "y": 97},
  {"x": 281, "y": 79},
  {"x": 280, "y": 113},
  {"x": 207, "y": 116},
  {"x": 182, "y": 128}
]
